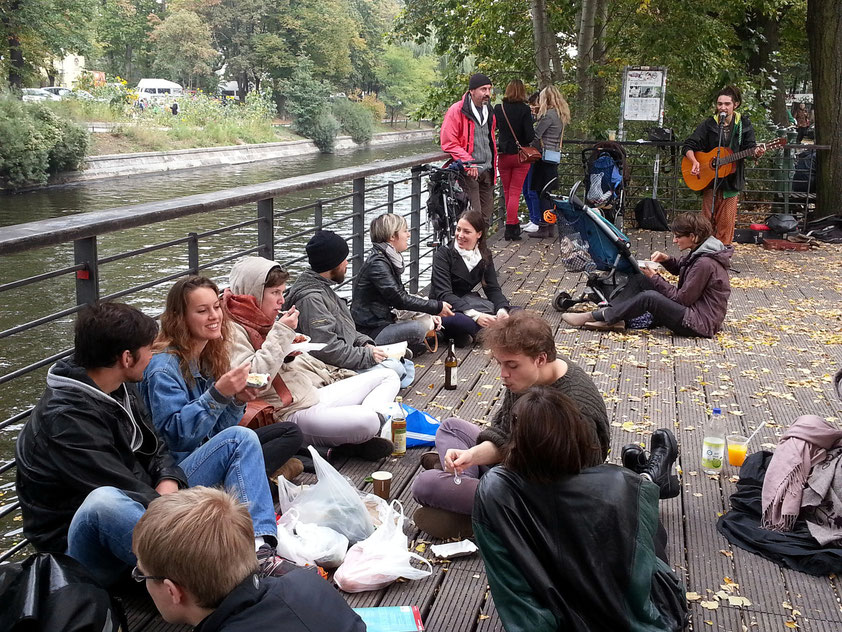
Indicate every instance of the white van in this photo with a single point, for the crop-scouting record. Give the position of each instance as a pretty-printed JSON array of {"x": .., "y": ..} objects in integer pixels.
[{"x": 158, "y": 89}]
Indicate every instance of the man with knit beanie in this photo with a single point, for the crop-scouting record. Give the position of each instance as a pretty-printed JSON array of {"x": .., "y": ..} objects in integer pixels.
[
  {"x": 467, "y": 134},
  {"x": 325, "y": 317}
]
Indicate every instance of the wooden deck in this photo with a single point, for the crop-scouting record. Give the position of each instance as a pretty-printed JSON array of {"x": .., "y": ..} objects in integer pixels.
[{"x": 773, "y": 362}]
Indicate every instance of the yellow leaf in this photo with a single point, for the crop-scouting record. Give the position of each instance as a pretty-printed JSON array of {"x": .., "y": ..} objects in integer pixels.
[
  {"x": 739, "y": 602},
  {"x": 791, "y": 624},
  {"x": 421, "y": 548},
  {"x": 710, "y": 605},
  {"x": 692, "y": 596},
  {"x": 483, "y": 617}
]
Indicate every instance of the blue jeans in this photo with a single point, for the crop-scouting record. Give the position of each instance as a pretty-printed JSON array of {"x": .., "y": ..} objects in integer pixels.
[
  {"x": 100, "y": 534},
  {"x": 412, "y": 331},
  {"x": 531, "y": 198}
]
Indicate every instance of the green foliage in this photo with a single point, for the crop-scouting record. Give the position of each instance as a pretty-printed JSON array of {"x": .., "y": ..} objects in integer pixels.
[
  {"x": 375, "y": 106},
  {"x": 355, "y": 119},
  {"x": 323, "y": 132},
  {"x": 306, "y": 96},
  {"x": 406, "y": 78},
  {"x": 35, "y": 143},
  {"x": 182, "y": 48},
  {"x": 123, "y": 28}
]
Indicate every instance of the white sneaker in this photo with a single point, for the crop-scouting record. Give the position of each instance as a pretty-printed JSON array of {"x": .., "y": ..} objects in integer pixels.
[{"x": 529, "y": 227}]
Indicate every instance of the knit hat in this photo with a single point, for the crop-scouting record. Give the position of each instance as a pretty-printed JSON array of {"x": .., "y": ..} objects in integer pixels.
[
  {"x": 326, "y": 250},
  {"x": 478, "y": 80}
]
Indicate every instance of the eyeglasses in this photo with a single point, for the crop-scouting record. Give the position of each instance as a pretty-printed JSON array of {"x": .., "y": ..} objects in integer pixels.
[{"x": 142, "y": 578}]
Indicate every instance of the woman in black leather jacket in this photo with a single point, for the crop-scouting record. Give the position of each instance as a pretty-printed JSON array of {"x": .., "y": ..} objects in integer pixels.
[
  {"x": 379, "y": 292},
  {"x": 457, "y": 270}
]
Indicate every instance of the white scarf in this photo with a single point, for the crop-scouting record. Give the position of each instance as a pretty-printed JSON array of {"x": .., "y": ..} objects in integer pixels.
[
  {"x": 482, "y": 119},
  {"x": 470, "y": 257}
]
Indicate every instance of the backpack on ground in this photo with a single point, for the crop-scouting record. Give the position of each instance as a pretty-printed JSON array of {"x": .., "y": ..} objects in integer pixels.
[{"x": 650, "y": 215}]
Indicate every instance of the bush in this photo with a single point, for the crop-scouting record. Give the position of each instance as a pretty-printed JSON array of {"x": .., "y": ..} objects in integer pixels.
[
  {"x": 324, "y": 131},
  {"x": 376, "y": 107},
  {"x": 35, "y": 143},
  {"x": 355, "y": 120}
]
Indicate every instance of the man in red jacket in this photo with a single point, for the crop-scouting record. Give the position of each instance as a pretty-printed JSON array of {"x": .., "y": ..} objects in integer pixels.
[{"x": 467, "y": 134}]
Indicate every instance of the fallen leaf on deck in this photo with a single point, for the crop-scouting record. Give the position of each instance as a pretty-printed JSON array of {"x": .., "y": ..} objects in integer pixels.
[
  {"x": 710, "y": 605},
  {"x": 692, "y": 596}
]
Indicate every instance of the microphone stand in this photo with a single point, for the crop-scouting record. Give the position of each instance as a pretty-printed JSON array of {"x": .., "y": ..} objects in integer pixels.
[{"x": 716, "y": 171}]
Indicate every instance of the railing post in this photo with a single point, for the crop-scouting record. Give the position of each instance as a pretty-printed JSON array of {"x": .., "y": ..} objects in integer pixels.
[
  {"x": 318, "y": 214},
  {"x": 193, "y": 253},
  {"x": 358, "y": 228},
  {"x": 415, "y": 232},
  {"x": 87, "y": 280},
  {"x": 390, "y": 197},
  {"x": 266, "y": 227}
]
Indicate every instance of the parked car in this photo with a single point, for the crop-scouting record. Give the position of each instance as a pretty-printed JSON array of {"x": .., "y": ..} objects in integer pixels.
[
  {"x": 158, "y": 89},
  {"x": 59, "y": 91},
  {"x": 37, "y": 94}
]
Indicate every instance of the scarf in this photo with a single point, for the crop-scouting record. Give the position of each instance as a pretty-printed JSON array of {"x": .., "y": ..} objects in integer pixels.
[
  {"x": 821, "y": 503},
  {"x": 394, "y": 257},
  {"x": 243, "y": 310},
  {"x": 470, "y": 257},
  {"x": 803, "y": 445},
  {"x": 481, "y": 119}
]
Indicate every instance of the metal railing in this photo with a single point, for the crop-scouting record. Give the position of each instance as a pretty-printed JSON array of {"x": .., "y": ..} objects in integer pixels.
[{"x": 267, "y": 233}]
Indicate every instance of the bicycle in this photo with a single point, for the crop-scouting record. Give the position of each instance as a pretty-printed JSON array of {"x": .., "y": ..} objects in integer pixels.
[{"x": 446, "y": 199}]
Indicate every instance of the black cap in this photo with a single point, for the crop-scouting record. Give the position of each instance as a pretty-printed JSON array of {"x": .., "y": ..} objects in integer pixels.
[
  {"x": 478, "y": 80},
  {"x": 326, "y": 250}
]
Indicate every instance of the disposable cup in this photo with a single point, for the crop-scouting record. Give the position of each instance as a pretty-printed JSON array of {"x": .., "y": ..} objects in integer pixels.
[
  {"x": 382, "y": 483},
  {"x": 737, "y": 448}
]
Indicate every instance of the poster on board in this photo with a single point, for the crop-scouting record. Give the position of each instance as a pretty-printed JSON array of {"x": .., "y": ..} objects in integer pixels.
[{"x": 643, "y": 94}]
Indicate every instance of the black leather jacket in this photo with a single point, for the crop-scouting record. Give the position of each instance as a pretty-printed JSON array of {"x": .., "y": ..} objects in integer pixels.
[
  {"x": 577, "y": 554},
  {"x": 378, "y": 290},
  {"x": 452, "y": 282},
  {"x": 78, "y": 439}
]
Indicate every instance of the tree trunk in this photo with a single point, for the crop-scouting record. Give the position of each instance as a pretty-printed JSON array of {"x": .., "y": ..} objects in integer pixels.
[
  {"x": 543, "y": 40},
  {"x": 598, "y": 85},
  {"x": 824, "y": 24},
  {"x": 129, "y": 65},
  {"x": 16, "y": 65},
  {"x": 584, "y": 57}
]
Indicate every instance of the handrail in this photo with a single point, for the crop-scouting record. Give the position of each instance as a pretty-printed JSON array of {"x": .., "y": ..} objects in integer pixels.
[{"x": 48, "y": 232}]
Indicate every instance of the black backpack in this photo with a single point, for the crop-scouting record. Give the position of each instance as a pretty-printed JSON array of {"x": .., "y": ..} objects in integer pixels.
[{"x": 650, "y": 215}]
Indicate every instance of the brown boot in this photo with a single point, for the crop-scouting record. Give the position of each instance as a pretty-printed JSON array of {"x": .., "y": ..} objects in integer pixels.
[
  {"x": 544, "y": 231},
  {"x": 431, "y": 460},
  {"x": 601, "y": 325},
  {"x": 289, "y": 470},
  {"x": 443, "y": 524}
]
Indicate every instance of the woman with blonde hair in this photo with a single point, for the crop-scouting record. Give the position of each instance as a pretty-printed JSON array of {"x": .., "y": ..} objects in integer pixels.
[
  {"x": 553, "y": 115},
  {"x": 514, "y": 130}
]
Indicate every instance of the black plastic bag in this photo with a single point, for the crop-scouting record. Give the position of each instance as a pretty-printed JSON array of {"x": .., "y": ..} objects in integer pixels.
[
  {"x": 650, "y": 215},
  {"x": 54, "y": 593},
  {"x": 782, "y": 223}
]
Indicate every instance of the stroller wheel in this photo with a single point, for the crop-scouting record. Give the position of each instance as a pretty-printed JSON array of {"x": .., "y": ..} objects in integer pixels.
[{"x": 563, "y": 301}]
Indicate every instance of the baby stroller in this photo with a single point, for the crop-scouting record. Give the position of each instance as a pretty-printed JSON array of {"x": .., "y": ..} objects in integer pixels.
[
  {"x": 606, "y": 177},
  {"x": 446, "y": 200},
  {"x": 592, "y": 244}
]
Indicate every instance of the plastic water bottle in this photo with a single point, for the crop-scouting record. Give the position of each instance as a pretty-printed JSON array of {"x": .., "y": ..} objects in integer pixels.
[{"x": 713, "y": 446}]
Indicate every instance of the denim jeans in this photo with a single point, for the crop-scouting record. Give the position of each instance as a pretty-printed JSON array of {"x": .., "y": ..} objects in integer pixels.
[
  {"x": 413, "y": 331},
  {"x": 404, "y": 369},
  {"x": 100, "y": 534},
  {"x": 531, "y": 198}
]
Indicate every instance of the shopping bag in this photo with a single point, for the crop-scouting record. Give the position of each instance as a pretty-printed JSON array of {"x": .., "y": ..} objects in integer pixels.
[
  {"x": 421, "y": 426},
  {"x": 332, "y": 502},
  {"x": 381, "y": 558}
]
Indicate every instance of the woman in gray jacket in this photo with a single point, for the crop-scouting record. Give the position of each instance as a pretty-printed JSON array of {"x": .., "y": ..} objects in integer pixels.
[{"x": 553, "y": 115}]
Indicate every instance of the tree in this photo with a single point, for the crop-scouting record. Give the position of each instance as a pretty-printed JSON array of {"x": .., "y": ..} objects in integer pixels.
[
  {"x": 123, "y": 28},
  {"x": 182, "y": 49},
  {"x": 405, "y": 79},
  {"x": 824, "y": 24},
  {"x": 32, "y": 32}
]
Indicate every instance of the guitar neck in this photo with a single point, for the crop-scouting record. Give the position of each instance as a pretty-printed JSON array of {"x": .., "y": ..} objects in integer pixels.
[{"x": 740, "y": 155}]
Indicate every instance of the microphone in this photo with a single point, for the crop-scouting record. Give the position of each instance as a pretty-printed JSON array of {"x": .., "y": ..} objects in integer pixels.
[{"x": 722, "y": 116}]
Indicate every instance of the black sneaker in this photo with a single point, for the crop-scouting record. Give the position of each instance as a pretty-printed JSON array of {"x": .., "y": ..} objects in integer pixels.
[
  {"x": 663, "y": 453},
  {"x": 270, "y": 564},
  {"x": 633, "y": 457},
  {"x": 463, "y": 340}
]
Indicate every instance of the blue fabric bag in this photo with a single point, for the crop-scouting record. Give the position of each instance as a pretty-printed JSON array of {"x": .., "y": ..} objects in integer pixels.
[{"x": 421, "y": 427}]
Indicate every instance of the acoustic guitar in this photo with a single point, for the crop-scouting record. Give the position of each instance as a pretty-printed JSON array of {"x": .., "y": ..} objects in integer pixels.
[{"x": 727, "y": 163}]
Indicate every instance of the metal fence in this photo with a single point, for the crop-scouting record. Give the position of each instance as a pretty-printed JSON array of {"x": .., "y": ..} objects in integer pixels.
[
  {"x": 265, "y": 233},
  {"x": 656, "y": 172}
]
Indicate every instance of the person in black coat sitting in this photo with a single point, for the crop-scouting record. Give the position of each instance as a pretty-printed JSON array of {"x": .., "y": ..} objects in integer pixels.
[
  {"x": 460, "y": 268},
  {"x": 381, "y": 306}
]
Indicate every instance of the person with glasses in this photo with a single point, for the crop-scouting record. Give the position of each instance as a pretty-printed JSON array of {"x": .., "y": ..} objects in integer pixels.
[{"x": 194, "y": 553}]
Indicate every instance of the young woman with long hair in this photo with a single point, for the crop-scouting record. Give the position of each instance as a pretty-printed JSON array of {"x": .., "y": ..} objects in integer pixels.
[
  {"x": 552, "y": 117},
  {"x": 189, "y": 387},
  {"x": 457, "y": 270}
]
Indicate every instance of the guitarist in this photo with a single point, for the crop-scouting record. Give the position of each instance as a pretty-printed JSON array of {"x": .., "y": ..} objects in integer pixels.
[{"x": 737, "y": 135}]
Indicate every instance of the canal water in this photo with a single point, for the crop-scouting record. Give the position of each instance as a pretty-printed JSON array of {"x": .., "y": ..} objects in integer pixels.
[{"x": 25, "y": 304}]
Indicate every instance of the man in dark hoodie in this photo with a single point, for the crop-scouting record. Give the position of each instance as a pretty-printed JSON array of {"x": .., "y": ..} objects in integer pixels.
[
  {"x": 89, "y": 461},
  {"x": 195, "y": 556},
  {"x": 467, "y": 134},
  {"x": 696, "y": 307},
  {"x": 325, "y": 317}
]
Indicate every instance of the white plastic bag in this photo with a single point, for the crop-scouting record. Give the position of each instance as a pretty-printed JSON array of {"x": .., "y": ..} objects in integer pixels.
[
  {"x": 289, "y": 545},
  {"x": 323, "y": 544},
  {"x": 381, "y": 558},
  {"x": 332, "y": 502},
  {"x": 287, "y": 493}
]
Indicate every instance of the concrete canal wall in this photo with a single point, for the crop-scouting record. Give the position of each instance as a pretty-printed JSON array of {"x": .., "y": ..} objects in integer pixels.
[{"x": 108, "y": 166}]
